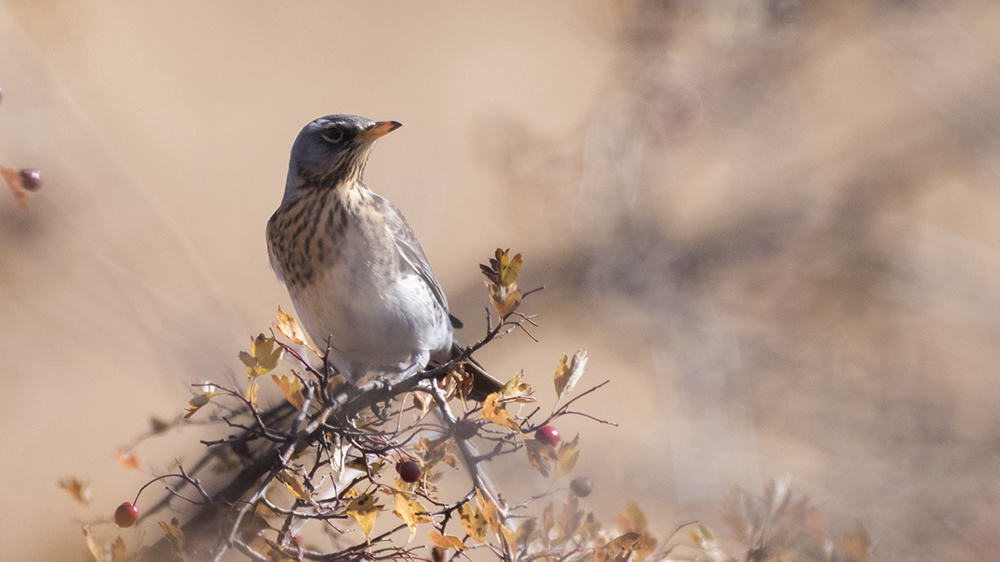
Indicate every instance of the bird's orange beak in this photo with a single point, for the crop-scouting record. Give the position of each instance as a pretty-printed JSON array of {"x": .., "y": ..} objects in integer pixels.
[{"x": 380, "y": 129}]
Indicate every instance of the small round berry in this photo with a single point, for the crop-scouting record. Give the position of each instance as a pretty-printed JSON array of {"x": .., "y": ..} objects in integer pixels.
[
  {"x": 548, "y": 435},
  {"x": 30, "y": 179},
  {"x": 581, "y": 487},
  {"x": 465, "y": 429},
  {"x": 409, "y": 471},
  {"x": 126, "y": 515}
]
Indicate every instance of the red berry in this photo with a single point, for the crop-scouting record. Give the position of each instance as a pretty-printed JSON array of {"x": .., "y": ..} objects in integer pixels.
[
  {"x": 465, "y": 429},
  {"x": 548, "y": 435},
  {"x": 409, "y": 471},
  {"x": 30, "y": 179},
  {"x": 581, "y": 487},
  {"x": 126, "y": 515}
]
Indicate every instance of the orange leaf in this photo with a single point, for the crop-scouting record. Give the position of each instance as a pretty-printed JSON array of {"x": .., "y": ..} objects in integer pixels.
[
  {"x": 78, "y": 488},
  {"x": 446, "y": 541},
  {"x": 291, "y": 387},
  {"x": 127, "y": 459}
]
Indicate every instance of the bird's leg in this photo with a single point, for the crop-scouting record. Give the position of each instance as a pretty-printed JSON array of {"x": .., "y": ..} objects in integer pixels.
[{"x": 419, "y": 362}]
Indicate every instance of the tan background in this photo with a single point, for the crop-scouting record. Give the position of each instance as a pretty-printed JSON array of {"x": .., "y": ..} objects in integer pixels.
[{"x": 773, "y": 224}]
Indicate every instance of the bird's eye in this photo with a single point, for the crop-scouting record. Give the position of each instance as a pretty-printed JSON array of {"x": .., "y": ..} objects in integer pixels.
[{"x": 333, "y": 135}]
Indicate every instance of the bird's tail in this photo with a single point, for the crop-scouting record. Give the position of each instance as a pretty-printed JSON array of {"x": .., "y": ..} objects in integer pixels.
[{"x": 483, "y": 383}]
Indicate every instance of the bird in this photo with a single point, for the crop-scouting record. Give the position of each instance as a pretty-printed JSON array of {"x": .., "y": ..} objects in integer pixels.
[{"x": 357, "y": 276}]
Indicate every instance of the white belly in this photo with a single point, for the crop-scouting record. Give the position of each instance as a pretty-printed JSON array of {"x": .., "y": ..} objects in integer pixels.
[{"x": 372, "y": 327}]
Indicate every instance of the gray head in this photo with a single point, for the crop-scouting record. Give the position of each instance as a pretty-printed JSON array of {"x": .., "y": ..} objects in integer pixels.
[{"x": 332, "y": 150}]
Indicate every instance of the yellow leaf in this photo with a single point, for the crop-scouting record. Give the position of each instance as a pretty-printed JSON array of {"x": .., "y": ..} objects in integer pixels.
[
  {"x": 364, "y": 509},
  {"x": 252, "y": 389},
  {"x": 489, "y": 511},
  {"x": 527, "y": 531},
  {"x": 78, "y": 488},
  {"x": 473, "y": 522},
  {"x": 410, "y": 511},
  {"x": 118, "y": 551},
  {"x": 569, "y": 372},
  {"x": 197, "y": 403},
  {"x": 93, "y": 544},
  {"x": 510, "y": 269},
  {"x": 633, "y": 519},
  {"x": 515, "y": 391},
  {"x": 540, "y": 456},
  {"x": 291, "y": 387},
  {"x": 127, "y": 459},
  {"x": 504, "y": 299},
  {"x": 704, "y": 538},
  {"x": 567, "y": 457},
  {"x": 508, "y": 537},
  {"x": 497, "y": 414},
  {"x": 250, "y": 362},
  {"x": 174, "y": 533},
  {"x": 446, "y": 541},
  {"x": 296, "y": 488},
  {"x": 289, "y": 327},
  {"x": 267, "y": 352}
]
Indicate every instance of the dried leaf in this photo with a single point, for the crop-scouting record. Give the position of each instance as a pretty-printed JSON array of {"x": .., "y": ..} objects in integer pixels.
[
  {"x": 410, "y": 511},
  {"x": 78, "y": 488},
  {"x": 567, "y": 457},
  {"x": 515, "y": 391},
  {"x": 508, "y": 538},
  {"x": 291, "y": 387},
  {"x": 13, "y": 178},
  {"x": 733, "y": 513},
  {"x": 198, "y": 402},
  {"x": 570, "y": 518},
  {"x": 489, "y": 511},
  {"x": 501, "y": 281},
  {"x": 364, "y": 510},
  {"x": 446, "y": 542},
  {"x": 295, "y": 487},
  {"x": 855, "y": 545},
  {"x": 263, "y": 357},
  {"x": 491, "y": 412},
  {"x": 174, "y": 533},
  {"x": 633, "y": 519},
  {"x": 540, "y": 456},
  {"x": 527, "y": 531},
  {"x": 705, "y": 538},
  {"x": 118, "y": 551},
  {"x": 473, "y": 522},
  {"x": 93, "y": 544},
  {"x": 569, "y": 372},
  {"x": 289, "y": 327},
  {"x": 127, "y": 459}
]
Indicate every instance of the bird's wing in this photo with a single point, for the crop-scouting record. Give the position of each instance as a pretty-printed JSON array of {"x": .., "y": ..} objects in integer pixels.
[{"x": 413, "y": 257}]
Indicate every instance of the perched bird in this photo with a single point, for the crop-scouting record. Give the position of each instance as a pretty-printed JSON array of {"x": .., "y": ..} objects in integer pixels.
[{"x": 356, "y": 273}]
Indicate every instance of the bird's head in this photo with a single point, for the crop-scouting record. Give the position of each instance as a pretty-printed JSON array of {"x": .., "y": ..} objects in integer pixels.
[{"x": 332, "y": 151}]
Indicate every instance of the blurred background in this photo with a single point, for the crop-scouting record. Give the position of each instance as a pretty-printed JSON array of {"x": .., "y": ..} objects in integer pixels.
[{"x": 773, "y": 224}]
